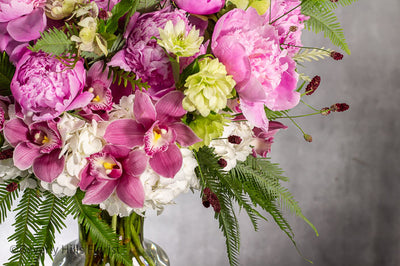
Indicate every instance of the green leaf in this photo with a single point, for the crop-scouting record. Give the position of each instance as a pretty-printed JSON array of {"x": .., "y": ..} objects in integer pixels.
[
  {"x": 26, "y": 224},
  {"x": 7, "y": 70},
  {"x": 323, "y": 19},
  {"x": 6, "y": 200},
  {"x": 51, "y": 217},
  {"x": 53, "y": 41},
  {"x": 146, "y": 6},
  {"x": 118, "y": 11},
  {"x": 328, "y": 4},
  {"x": 102, "y": 234}
]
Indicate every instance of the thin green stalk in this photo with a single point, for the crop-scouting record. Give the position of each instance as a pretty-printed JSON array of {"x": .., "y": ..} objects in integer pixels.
[
  {"x": 138, "y": 244},
  {"x": 306, "y": 104},
  {"x": 284, "y": 13},
  {"x": 114, "y": 223}
]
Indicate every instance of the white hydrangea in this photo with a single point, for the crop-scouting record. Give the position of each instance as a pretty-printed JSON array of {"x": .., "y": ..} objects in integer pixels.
[
  {"x": 124, "y": 109},
  {"x": 80, "y": 141},
  {"x": 8, "y": 170},
  {"x": 159, "y": 191},
  {"x": 230, "y": 152}
]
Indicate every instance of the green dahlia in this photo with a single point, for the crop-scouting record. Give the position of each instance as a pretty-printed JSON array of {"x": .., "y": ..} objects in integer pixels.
[{"x": 208, "y": 89}]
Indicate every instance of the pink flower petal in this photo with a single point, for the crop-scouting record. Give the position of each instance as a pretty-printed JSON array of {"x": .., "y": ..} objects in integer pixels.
[
  {"x": 170, "y": 106},
  {"x": 48, "y": 166},
  {"x": 130, "y": 191},
  {"x": 184, "y": 134},
  {"x": 24, "y": 155},
  {"x": 116, "y": 151},
  {"x": 16, "y": 131},
  {"x": 99, "y": 192},
  {"x": 255, "y": 114},
  {"x": 86, "y": 178},
  {"x": 80, "y": 101},
  {"x": 136, "y": 163},
  {"x": 29, "y": 27},
  {"x": 96, "y": 73},
  {"x": 167, "y": 163},
  {"x": 144, "y": 110},
  {"x": 125, "y": 132}
]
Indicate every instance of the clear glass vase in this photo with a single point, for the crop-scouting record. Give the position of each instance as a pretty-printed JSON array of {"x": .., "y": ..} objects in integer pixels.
[{"x": 82, "y": 252}]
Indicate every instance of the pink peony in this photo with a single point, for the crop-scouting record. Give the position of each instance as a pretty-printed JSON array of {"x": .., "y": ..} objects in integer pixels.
[
  {"x": 265, "y": 75},
  {"x": 289, "y": 27},
  {"x": 23, "y": 19},
  {"x": 201, "y": 7},
  {"x": 44, "y": 87},
  {"x": 143, "y": 56}
]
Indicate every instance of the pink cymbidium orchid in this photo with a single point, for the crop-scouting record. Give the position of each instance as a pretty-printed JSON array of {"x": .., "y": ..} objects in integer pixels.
[
  {"x": 158, "y": 128},
  {"x": 264, "y": 139},
  {"x": 115, "y": 168},
  {"x": 37, "y": 145}
]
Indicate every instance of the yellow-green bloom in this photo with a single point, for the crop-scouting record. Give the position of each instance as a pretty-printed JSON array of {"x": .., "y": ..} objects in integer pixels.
[
  {"x": 209, "y": 89},
  {"x": 208, "y": 128},
  {"x": 174, "y": 39}
]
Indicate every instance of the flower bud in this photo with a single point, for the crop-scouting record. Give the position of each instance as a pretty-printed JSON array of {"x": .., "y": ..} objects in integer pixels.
[
  {"x": 12, "y": 187},
  {"x": 6, "y": 154},
  {"x": 336, "y": 55},
  {"x": 325, "y": 111},
  {"x": 234, "y": 139},
  {"x": 339, "y": 107},
  {"x": 307, "y": 137},
  {"x": 222, "y": 162},
  {"x": 313, "y": 85}
]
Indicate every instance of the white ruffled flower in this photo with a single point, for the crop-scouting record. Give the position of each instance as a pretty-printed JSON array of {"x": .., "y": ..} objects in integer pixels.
[
  {"x": 124, "y": 109},
  {"x": 159, "y": 191},
  {"x": 230, "y": 152},
  {"x": 80, "y": 141},
  {"x": 8, "y": 170}
]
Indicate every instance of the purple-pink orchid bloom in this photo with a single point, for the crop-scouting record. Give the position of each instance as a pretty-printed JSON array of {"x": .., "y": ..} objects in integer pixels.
[
  {"x": 37, "y": 145},
  {"x": 115, "y": 168},
  {"x": 264, "y": 139},
  {"x": 157, "y": 127}
]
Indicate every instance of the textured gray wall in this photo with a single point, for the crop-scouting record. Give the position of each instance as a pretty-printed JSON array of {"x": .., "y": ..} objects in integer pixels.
[{"x": 347, "y": 180}]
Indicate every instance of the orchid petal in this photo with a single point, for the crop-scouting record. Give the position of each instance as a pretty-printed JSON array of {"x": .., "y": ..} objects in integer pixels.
[
  {"x": 125, "y": 132},
  {"x": 24, "y": 155},
  {"x": 255, "y": 114},
  {"x": 184, "y": 134},
  {"x": 99, "y": 192},
  {"x": 167, "y": 163},
  {"x": 144, "y": 110},
  {"x": 80, "y": 101},
  {"x": 16, "y": 131},
  {"x": 48, "y": 166},
  {"x": 170, "y": 106},
  {"x": 86, "y": 178},
  {"x": 136, "y": 163},
  {"x": 96, "y": 73},
  {"x": 118, "y": 152},
  {"x": 130, "y": 191}
]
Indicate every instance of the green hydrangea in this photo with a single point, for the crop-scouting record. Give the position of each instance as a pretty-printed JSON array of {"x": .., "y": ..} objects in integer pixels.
[
  {"x": 208, "y": 89},
  {"x": 208, "y": 128}
]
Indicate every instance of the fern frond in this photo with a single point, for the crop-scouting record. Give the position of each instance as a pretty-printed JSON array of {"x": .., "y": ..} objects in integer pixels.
[
  {"x": 6, "y": 200},
  {"x": 7, "y": 70},
  {"x": 25, "y": 225},
  {"x": 120, "y": 75},
  {"x": 103, "y": 236},
  {"x": 329, "y": 4},
  {"x": 322, "y": 19},
  {"x": 51, "y": 216},
  {"x": 53, "y": 41},
  {"x": 312, "y": 54},
  {"x": 273, "y": 115}
]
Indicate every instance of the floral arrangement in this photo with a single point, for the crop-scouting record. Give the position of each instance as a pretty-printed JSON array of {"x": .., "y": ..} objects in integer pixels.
[{"x": 111, "y": 108}]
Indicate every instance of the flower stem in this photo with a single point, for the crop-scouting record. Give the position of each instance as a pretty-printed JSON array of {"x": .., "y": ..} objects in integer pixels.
[{"x": 284, "y": 14}]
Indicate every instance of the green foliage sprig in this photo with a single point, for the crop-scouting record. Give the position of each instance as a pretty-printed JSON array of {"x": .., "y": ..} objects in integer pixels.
[
  {"x": 53, "y": 41},
  {"x": 7, "y": 70}
]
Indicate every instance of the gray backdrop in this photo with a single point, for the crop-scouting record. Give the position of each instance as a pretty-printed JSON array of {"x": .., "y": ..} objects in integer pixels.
[{"x": 347, "y": 180}]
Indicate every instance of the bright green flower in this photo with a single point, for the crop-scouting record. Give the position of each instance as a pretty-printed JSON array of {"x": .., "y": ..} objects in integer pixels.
[
  {"x": 174, "y": 39},
  {"x": 209, "y": 89},
  {"x": 208, "y": 128}
]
